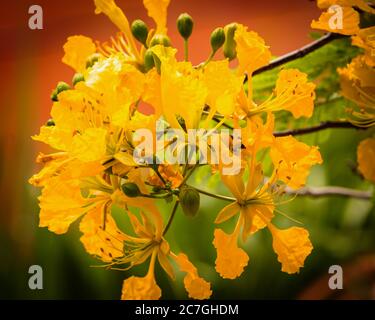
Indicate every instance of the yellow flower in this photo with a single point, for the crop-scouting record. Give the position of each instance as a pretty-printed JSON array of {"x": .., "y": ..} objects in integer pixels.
[
  {"x": 293, "y": 160},
  {"x": 366, "y": 39},
  {"x": 292, "y": 247},
  {"x": 294, "y": 93},
  {"x": 357, "y": 84},
  {"x": 149, "y": 242},
  {"x": 256, "y": 203},
  {"x": 115, "y": 14},
  {"x": 252, "y": 51},
  {"x": 350, "y": 22},
  {"x": 77, "y": 49},
  {"x": 196, "y": 287},
  {"x": 366, "y": 158},
  {"x": 157, "y": 10},
  {"x": 142, "y": 288}
]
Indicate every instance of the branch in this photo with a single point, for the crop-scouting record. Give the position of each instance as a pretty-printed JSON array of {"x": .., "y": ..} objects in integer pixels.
[
  {"x": 299, "y": 53},
  {"x": 317, "y": 192},
  {"x": 319, "y": 127}
]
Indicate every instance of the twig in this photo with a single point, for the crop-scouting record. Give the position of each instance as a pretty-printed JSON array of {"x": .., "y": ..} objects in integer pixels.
[
  {"x": 330, "y": 191},
  {"x": 319, "y": 127},
  {"x": 299, "y": 53}
]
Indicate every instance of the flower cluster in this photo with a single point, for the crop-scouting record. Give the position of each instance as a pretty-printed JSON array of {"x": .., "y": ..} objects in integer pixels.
[
  {"x": 358, "y": 77},
  {"x": 132, "y": 82}
]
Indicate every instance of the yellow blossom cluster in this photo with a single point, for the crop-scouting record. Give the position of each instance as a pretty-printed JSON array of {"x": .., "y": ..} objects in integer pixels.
[
  {"x": 358, "y": 77},
  {"x": 92, "y": 129}
]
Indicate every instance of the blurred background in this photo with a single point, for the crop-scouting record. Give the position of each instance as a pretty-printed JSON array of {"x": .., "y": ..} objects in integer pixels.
[{"x": 342, "y": 230}]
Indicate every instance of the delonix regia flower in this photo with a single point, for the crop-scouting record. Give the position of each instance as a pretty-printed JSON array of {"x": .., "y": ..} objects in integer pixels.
[
  {"x": 358, "y": 77},
  {"x": 132, "y": 82}
]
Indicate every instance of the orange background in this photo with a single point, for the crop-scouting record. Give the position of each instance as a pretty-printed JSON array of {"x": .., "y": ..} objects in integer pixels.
[{"x": 30, "y": 64}]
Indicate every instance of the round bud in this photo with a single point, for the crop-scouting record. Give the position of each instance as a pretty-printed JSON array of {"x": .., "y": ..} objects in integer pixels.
[
  {"x": 185, "y": 25},
  {"x": 78, "y": 77},
  {"x": 217, "y": 39},
  {"x": 190, "y": 201},
  {"x": 160, "y": 39},
  {"x": 131, "y": 190},
  {"x": 230, "y": 44},
  {"x": 91, "y": 60},
  {"x": 149, "y": 60},
  {"x": 50, "y": 123},
  {"x": 140, "y": 31}
]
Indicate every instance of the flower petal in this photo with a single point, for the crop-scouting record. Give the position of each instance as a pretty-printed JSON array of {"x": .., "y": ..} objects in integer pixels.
[
  {"x": 197, "y": 287},
  {"x": 77, "y": 49},
  {"x": 140, "y": 288},
  {"x": 231, "y": 260},
  {"x": 292, "y": 246}
]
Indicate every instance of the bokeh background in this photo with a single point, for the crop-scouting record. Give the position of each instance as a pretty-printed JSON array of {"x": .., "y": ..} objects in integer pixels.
[{"x": 342, "y": 230}]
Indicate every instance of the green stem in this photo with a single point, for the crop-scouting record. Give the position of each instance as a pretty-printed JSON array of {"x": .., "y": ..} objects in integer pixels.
[
  {"x": 216, "y": 196},
  {"x": 174, "y": 210},
  {"x": 155, "y": 197},
  {"x": 186, "y": 49}
]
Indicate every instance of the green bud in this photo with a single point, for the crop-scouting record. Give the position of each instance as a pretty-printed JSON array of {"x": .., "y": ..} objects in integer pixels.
[
  {"x": 149, "y": 60},
  {"x": 78, "y": 77},
  {"x": 61, "y": 86},
  {"x": 50, "y": 123},
  {"x": 91, "y": 60},
  {"x": 190, "y": 201},
  {"x": 243, "y": 123},
  {"x": 160, "y": 39},
  {"x": 185, "y": 25},
  {"x": 217, "y": 39},
  {"x": 54, "y": 95},
  {"x": 131, "y": 190},
  {"x": 140, "y": 31},
  {"x": 230, "y": 44}
]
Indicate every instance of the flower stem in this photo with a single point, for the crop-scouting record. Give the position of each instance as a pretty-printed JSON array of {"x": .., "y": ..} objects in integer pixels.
[
  {"x": 217, "y": 196},
  {"x": 174, "y": 210}
]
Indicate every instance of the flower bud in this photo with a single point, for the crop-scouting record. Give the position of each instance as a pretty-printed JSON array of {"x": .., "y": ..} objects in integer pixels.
[
  {"x": 78, "y": 77},
  {"x": 217, "y": 39},
  {"x": 50, "y": 123},
  {"x": 61, "y": 86},
  {"x": 190, "y": 201},
  {"x": 140, "y": 31},
  {"x": 149, "y": 60},
  {"x": 91, "y": 60},
  {"x": 160, "y": 39},
  {"x": 230, "y": 44},
  {"x": 131, "y": 190},
  {"x": 185, "y": 25}
]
